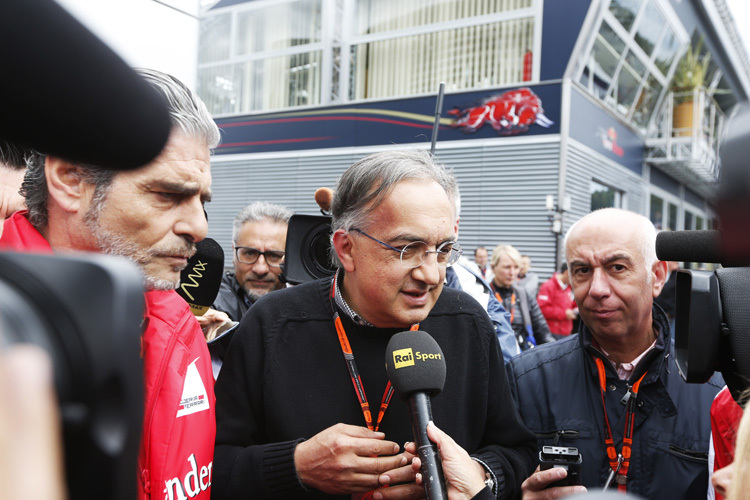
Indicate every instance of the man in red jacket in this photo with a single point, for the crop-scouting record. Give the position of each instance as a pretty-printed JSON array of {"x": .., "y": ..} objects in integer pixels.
[
  {"x": 154, "y": 216},
  {"x": 556, "y": 301}
]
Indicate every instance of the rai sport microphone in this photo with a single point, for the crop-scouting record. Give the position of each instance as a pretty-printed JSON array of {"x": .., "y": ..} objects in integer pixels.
[
  {"x": 65, "y": 93},
  {"x": 416, "y": 368},
  {"x": 201, "y": 279}
]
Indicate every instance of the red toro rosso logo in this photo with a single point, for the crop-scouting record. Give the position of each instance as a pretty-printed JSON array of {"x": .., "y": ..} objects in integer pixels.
[{"x": 509, "y": 113}]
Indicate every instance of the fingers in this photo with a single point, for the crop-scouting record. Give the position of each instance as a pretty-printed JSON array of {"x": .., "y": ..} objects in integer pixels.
[
  {"x": 346, "y": 458},
  {"x": 399, "y": 492},
  {"x": 535, "y": 486}
]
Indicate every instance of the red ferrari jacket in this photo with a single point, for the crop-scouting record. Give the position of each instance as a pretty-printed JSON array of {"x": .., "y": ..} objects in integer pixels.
[
  {"x": 553, "y": 301},
  {"x": 179, "y": 424}
]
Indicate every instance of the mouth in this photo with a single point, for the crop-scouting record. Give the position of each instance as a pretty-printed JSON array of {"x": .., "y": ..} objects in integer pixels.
[
  {"x": 416, "y": 298},
  {"x": 603, "y": 313}
]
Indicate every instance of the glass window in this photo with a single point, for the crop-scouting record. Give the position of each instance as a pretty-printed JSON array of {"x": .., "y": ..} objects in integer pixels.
[
  {"x": 664, "y": 55},
  {"x": 468, "y": 57},
  {"x": 603, "y": 196},
  {"x": 657, "y": 211},
  {"x": 379, "y": 16},
  {"x": 650, "y": 26},
  {"x": 625, "y": 11},
  {"x": 673, "y": 216},
  {"x": 214, "y": 36},
  {"x": 278, "y": 27},
  {"x": 698, "y": 223},
  {"x": 688, "y": 220},
  {"x": 634, "y": 49}
]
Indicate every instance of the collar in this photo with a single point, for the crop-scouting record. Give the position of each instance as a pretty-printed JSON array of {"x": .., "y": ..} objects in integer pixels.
[
  {"x": 562, "y": 285},
  {"x": 343, "y": 306},
  {"x": 19, "y": 235},
  {"x": 626, "y": 370},
  {"x": 237, "y": 288},
  {"x": 652, "y": 359}
]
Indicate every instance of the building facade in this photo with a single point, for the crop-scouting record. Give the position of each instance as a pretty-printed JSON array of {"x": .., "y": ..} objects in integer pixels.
[{"x": 551, "y": 108}]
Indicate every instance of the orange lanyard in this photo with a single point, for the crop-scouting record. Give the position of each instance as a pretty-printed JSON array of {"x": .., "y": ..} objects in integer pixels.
[
  {"x": 346, "y": 349},
  {"x": 512, "y": 302},
  {"x": 619, "y": 462}
]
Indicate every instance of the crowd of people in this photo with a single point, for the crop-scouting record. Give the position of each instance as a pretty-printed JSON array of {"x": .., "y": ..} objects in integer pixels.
[{"x": 296, "y": 410}]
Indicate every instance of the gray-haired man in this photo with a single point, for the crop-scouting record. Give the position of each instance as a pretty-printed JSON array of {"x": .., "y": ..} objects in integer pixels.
[
  {"x": 258, "y": 241},
  {"x": 290, "y": 423}
]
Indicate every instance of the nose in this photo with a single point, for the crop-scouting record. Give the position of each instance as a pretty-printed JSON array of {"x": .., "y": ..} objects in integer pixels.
[
  {"x": 599, "y": 287},
  {"x": 192, "y": 223},
  {"x": 428, "y": 271},
  {"x": 260, "y": 267}
]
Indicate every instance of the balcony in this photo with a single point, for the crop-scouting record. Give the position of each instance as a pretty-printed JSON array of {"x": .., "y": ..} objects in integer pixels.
[{"x": 685, "y": 144}]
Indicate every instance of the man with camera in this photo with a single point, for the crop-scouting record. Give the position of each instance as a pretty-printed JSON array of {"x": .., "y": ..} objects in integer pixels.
[
  {"x": 152, "y": 215},
  {"x": 258, "y": 241},
  {"x": 613, "y": 391},
  {"x": 301, "y": 406}
]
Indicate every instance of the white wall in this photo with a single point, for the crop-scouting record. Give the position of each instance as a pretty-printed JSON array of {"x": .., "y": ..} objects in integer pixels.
[{"x": 154, "y": 34}]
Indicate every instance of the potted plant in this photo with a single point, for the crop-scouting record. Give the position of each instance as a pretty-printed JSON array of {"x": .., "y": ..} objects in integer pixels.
[{"x": 689, "y": 75}]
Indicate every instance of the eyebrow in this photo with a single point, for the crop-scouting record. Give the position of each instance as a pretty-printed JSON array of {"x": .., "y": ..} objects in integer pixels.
[
  {"x": 412, "y": 238},
  {"x": 182, "y": 189},
  {"x": 608, "y": 260}
]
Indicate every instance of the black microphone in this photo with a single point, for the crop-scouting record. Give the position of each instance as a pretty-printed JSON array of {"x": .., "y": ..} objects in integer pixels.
[
  {"x": 416, "y": 368},
  {"x": 201, "y": 279},
  {"x": 693, "y": 246},
  {"x": 65, "y": 93}
]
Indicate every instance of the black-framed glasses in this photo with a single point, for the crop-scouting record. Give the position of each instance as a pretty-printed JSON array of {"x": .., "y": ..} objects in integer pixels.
[
  {"x": 415, "y": 253},
  {"x": 248, "y": 255}
]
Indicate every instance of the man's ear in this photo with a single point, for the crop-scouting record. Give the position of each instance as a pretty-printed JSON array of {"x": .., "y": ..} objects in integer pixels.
[
  {"x": 659, "y": 276},
  {"x": 65, "y": 183},
  {"x": 342, "y": 243}
]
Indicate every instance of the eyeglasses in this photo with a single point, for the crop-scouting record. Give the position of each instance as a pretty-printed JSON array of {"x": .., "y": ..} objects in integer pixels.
[
  {"x": 415, "y": 253},
  {"x": 248, "y": 255}
]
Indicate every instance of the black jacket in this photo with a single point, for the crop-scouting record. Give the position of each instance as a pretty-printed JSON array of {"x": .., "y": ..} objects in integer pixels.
[
  {"x": 231, "y": 298},
  {"x": 557, "y": 391},
  {"x": 285, "y": 379}
]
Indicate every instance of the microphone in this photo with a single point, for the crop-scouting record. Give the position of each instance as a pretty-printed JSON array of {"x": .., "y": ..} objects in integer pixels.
[
  {"x": 65, "y": 93},
  {"x": 201, "y": 279},
  {"x": 416, "y": 369},
  {"x": 324, "y": 198},
  {"x": 693, "y": 246}
]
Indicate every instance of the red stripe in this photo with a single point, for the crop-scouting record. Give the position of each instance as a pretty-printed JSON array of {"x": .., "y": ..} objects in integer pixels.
[{"x": 326, "y": 118}]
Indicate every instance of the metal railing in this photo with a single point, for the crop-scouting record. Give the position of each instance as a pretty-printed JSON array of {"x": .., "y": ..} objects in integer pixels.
[{"x": 686, "y": 136}]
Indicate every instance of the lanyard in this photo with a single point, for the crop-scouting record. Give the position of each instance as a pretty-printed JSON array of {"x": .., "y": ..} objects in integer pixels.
[
  {"x": 512, "y": 302},
  {"x": 346, "y": 349},
  {"x": 619, "y": 462}
]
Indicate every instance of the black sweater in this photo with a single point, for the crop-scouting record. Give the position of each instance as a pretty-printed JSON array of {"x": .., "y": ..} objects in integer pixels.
[{"x": 285, "y": 379}]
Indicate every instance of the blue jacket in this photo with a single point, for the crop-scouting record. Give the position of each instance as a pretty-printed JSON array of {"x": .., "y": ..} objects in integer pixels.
[{"x": 556, "y": 388}]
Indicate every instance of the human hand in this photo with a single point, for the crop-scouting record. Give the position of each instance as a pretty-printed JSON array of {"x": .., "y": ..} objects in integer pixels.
[
  {"x": 401, "y": 481},
  {"x": 464, "y": 476},
  {"x": 533, "y": 488},
  {"x": 570, "y": 314},
  {"x": 345, "y": 459},
  {"x": 31, "y": 464},
  {"x": 721, "y": 479},
  {"x": 214, "y": 323}
]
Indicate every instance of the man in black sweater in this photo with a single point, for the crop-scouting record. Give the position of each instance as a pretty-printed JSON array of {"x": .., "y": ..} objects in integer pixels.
[{"x": 290, "y": 421}]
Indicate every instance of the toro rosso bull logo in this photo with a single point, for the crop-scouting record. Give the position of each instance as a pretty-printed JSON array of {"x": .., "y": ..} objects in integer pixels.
[{"x": 509, "y": 113}]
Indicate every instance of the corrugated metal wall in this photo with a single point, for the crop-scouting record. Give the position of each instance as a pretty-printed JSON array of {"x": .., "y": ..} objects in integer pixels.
[
  {"x": 503, "y": 188},
  {"x": 585, "y": 165}
]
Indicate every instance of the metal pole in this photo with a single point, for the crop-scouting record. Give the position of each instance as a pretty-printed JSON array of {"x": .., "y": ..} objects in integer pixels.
[{"x": 438, "y": 108}]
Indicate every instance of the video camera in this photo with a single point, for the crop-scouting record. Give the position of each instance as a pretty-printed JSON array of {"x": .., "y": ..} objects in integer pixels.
[
  {"x": 85, "y": 312},
  {"x": 712, "y": 322}
]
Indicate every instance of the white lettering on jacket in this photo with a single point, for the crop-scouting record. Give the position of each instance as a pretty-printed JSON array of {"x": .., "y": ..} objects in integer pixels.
[{"x": 194, "y": 482}]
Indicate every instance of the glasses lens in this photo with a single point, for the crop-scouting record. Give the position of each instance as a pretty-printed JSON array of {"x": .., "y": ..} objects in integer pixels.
[
  {"x": 274, "y": 258},
  {"x": 247, "y": 255},
  {"x": 454, "y": 254},
  {"x": 413, "y": 254}
]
